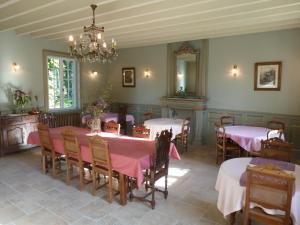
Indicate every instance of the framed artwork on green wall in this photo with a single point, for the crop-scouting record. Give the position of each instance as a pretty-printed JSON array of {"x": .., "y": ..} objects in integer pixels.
[
  {"x": 128, "y": 77},
  {"x": 267, "y": 76}
]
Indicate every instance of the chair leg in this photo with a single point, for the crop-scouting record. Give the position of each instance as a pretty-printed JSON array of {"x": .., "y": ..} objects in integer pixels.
[
  {"x": 110, "y": 189},
  {"x": 69, "y": 173},
  {"x": 94, "y": 182},
  {"x": 81, "y": 176},
  {"x": 54, "y": 160},
  {"x": 44, "y": 169},
  {"x": 166, "y": 186}
]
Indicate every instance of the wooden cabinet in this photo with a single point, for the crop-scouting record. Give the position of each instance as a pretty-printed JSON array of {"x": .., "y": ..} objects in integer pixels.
[{"x": 14, "y": 131}]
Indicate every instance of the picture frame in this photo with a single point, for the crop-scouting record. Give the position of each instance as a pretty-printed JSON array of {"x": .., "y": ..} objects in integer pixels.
[
  {"x": 128, "y": 77},
  {"x": 267, "y": 76}
]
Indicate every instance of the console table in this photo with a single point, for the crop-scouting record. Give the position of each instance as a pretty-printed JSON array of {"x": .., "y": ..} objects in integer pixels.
[{"x": 14, "y": 130}]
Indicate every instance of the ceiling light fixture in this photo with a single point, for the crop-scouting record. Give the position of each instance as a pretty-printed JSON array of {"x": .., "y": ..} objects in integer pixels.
[{"x": 91, "y": 46}]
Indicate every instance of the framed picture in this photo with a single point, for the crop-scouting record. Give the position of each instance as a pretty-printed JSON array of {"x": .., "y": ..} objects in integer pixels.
[
  {"x": 128, "y": 77},
  {"x": 267, "y": 76}
]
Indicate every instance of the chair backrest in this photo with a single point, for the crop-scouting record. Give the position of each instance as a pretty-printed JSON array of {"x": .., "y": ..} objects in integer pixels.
[
  {"x": 161, "y": 156},
  {"x": 45, "y": 137},
  {"x": 227, "y": 120},
  {"x": 276, "y": 125},
  {"x": 100, "y": 152},
  {"x": 276, "y": 148},
  {"x": 186, "y": 126},
  {"x": 140, "y": 131},
  {"x": 275, "y": 133},
  {"x": 48, "y": 119},
  {"x": 122, "y": 115},
  {"x": 71, "y": 144},
  {"x": 112, "y": 127},
  {"x": 270, "y": 188},
  {"x": 220, "y": 134}
]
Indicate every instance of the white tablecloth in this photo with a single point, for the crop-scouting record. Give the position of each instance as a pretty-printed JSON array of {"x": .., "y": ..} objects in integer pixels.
[
  {"x": 231, "y": 194},
  {"x": 159, "y": 124},
  {"x": 247, "y": 137}
]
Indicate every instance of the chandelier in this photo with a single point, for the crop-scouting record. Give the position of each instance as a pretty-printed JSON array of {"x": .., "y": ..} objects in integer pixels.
[{"x": 91, "y": 46}]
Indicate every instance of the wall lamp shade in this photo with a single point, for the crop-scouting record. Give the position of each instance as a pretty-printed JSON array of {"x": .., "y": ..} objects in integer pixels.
[
  {"x": 147, "y": 73},
  {"x": 15, "y": 67},
  {"x": 234, "y": 71},
  {"x": 94, "y": 74}
]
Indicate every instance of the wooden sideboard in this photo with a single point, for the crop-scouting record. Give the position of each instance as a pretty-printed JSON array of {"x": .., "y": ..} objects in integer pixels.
[{"x": 14, "y": 131}]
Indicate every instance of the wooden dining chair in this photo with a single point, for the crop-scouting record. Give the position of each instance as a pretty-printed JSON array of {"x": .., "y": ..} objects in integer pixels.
[
  {"x": 276, "y": 148},
  {"x": 225, "y": 148},
  {"x": 140, "y": 131},
  {"x": 276, "y": 125},
  {"x": 73, "y": 157},
  {"x": 112, "y": 127},
  {"x": 101, "y": 165},
  {"x": 182, "y": 137},
  {"x": 48, "y": 152},
  {"x": 269, "y": 188},
  {"x": 227, "y": 121},
  {"x": 159, "y": 168}
]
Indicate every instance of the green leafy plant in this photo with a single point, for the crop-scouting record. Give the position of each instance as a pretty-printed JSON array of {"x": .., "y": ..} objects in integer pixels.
[{"x": 21, "y": 98}]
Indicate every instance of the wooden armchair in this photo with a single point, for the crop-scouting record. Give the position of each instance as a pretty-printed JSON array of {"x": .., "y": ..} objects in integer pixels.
[
  {"x": 225, "y": 147},
  {"x": 73, "y": 157},
  {"x": 101, "y": 164},
  {"x": 227, "y": 121},
  {"x": 140, "y": 131},
  {"x": 275, "y": 148},
  {"x": 48, "y": 152},
  {"x": 183, "y": 136},
  {"x": 271, "y": 189},
  {"x": 112, "y": 127},
  {"x": 158, "y": 169}
]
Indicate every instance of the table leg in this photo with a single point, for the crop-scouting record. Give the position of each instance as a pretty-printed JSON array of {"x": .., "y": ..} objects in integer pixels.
[
  {"x": 232, "y": 218},
  {"x": 123, "y": 189}
]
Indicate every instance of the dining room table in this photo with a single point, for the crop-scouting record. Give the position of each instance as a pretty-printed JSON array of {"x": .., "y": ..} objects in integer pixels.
[
  {"x": 130, "y": 156},
  {"x": 159, "y": 124},
  {"x": 231, "y": 189},
  {"x": 248, "y": 137}
]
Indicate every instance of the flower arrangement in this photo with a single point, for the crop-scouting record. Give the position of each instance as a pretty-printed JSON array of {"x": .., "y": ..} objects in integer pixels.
[
  {"x": 21, "y": 98},
  {"x": 97, "y": 108}
]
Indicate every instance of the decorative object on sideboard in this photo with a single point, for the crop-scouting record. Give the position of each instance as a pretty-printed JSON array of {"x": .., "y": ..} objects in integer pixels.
[
  {"x": 147, "y": 73},
  {"x": 267, "y": 76},
  {"x": 15, "y": 67},
  {"x": 91, "y": 46},
  {"x": 128, "y": 77},
  {"x": 235, "y": 71},
  {"x": 20, "y": 100}
]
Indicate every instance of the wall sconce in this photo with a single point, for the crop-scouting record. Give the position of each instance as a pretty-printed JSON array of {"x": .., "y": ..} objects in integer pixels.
[
  {"x": 15, "y": 67},
  {"x": 94, "y": 74},
  {"x": 234, "y": 71},
  {"x": 147, "y": 73}
]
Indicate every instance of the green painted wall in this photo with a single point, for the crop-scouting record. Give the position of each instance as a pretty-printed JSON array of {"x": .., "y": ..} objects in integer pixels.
[{"x": 227, "y": 92}]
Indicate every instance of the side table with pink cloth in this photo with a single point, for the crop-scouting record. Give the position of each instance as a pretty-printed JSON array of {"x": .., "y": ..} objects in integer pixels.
[
  {"x": 159, "y": 124},
  {"x": 106, "y": 117},
  {"x": 231, "y": 193},
  {"x": 248, "y": 137},
  {"x": 129, "y": 155}
]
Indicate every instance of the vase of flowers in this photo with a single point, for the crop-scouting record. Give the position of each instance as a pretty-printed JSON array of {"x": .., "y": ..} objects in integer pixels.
[
  {"x": 95, "y": 110},
  {"x": 21, "y": 99}
]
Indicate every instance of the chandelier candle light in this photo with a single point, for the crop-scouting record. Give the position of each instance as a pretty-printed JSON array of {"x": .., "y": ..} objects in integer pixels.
[{"x": 92, "y": 46}]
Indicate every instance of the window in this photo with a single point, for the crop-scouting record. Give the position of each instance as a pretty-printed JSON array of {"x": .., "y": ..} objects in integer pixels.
[{"x": 62, "y": 85}]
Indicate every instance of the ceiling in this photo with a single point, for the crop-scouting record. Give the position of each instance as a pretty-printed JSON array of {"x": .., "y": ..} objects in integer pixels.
[{"x": 147, "y": 22}]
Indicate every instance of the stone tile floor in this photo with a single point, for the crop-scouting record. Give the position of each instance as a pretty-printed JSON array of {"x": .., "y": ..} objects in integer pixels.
[{"x": 29, "y": 197}]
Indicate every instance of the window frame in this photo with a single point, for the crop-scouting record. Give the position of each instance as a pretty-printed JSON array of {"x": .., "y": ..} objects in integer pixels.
[{"x": 61, "y": 56}]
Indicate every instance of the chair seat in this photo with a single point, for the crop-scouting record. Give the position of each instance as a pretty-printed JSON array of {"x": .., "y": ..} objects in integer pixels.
[{"x": 256, "y": 213}]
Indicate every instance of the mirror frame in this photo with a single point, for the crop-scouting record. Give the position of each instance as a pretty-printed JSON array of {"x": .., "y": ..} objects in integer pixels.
[{"x": 186, "y": 48}]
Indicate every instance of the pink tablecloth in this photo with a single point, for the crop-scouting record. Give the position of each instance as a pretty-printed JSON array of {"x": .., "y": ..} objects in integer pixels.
[
  {"x": 129, "y": 156},
  {"x": 106, "y": 117},
  {"x": 247, "y": 137}
]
